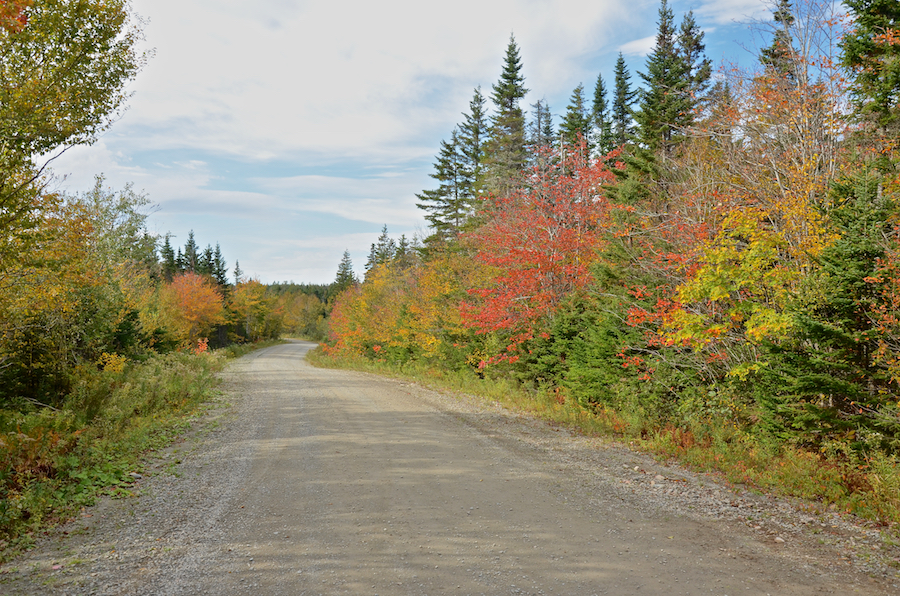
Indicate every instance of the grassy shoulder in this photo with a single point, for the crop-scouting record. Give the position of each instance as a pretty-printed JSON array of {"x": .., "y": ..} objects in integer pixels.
[
  {"x": 868, "y": 488},
  {"x": 53, "y": 462}
]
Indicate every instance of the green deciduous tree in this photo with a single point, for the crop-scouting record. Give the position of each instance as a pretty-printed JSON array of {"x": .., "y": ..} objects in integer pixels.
[{"x": 63, "y": 77}]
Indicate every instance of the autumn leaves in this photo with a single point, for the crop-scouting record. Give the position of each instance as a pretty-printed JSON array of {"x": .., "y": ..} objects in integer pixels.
[{"x": 753, "y": 256}]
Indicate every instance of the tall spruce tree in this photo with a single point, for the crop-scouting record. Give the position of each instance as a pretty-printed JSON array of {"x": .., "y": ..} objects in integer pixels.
[
  {"x": 471, "y": 140},
  {"x": 220, "y": 268},
  {"x": 459, "y": 173},
  {"x": 449, "y": 205},
  {"x": 576, "y": 123},
  {"x": 601, "y": 123},
  {"x": 206, "y": 261},
  {"x": 873, "y": 62},
  {"x": 345, "y": 276},
  {"x": 167, "y": 255},
  {"x": 406, "y": 255},
  {"x": 677, "y": 75},
  {"x": 541, "y": 136},
  {"x": 697, "y": 67},
  {"x": 239, "y": 273},
  {"x": 505, "y": 150},
  {"x": 661, "y": 101},
  {"x": 779, "y": 58},
  {"x": 191, "y": 256},
  {"x": 540, "y": 129},
  {"x": 383, "y": 251},
  {"x": 824, "y": 379},
  {"x": 623, "y": 101}
]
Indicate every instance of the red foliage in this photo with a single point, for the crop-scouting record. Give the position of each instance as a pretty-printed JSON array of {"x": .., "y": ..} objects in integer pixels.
[
  {"x": 541, "y": 242},
  {"x": 12, "y": 14}
]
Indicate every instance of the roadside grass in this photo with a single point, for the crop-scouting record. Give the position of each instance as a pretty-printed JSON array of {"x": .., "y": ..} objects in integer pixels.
[
  {"x": 868, "y": 488},
  {"x": 53, "y": 462}
]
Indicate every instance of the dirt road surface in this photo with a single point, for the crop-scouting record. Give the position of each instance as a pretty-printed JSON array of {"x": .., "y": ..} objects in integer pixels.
[{"x": 311, "y": 481}]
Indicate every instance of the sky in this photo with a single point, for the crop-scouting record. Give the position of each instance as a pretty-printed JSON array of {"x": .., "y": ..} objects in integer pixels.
[{"x": 288, "y": 131}]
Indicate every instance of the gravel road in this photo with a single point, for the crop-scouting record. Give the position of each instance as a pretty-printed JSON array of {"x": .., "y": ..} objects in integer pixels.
[{"x": 310, "y": 481}]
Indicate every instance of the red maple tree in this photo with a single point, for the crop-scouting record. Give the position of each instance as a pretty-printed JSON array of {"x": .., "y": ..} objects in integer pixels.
[{"x": 541, "y": 241}]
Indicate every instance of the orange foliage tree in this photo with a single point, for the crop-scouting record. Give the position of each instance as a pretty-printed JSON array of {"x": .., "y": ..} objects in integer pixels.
[
  {"x": 12, "y": 14},
  {"x": 193, "y": 307}
]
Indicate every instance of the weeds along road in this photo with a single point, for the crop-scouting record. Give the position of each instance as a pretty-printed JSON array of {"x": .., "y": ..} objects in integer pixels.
[{"x": 317, "y": 481}]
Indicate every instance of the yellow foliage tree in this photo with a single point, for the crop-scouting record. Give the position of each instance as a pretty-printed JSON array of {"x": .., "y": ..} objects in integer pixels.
[
  {"x": 192, "y": 308},
  {"x": 254, "y": 313}
]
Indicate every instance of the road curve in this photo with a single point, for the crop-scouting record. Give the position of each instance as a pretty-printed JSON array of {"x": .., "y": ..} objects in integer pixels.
[{"x": 317, "y": 481}]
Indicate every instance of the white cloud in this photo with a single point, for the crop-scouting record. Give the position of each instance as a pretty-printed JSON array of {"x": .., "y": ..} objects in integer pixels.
[
  {"x": 356, "y": 92},
  {"x": 734, "y": 11},
  {"x": 353, "y": 77},
  {"x": 638, "y": 47}
]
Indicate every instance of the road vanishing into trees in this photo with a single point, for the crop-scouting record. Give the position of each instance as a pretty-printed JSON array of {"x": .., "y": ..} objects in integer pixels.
[{"x": 313, "y": 481}]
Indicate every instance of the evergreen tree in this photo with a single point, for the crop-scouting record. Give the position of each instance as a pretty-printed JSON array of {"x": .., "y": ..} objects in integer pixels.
[
  {"x": 405, "y": 255},
  {"x": 238, "y": 273},
  {"x": 602, "y": 135},
  {"x": 873, "y": 62},
  {"x": 205, "y": 262},
  {"x": 383, "y": 251},
  {"x": 190, "y": 256},
  {"x": 459, "y": 172},
  {"x": 676, "y": 78},
  {"x": 505, "y": 150},
  {"x": 826, "y": 379},
  {"x": 179, "y": 262},
  {"x": 449, "y": 205},
  {"x": 540, "y": 135},
  {"x": 779, "y": 57},
  {"x": 345, "y": 277},
  {"x": 471, "y": 139},
  {"x": 576, "y": 122},
  {"x": 540, "y": 129},
  {"x": 220, "y": 268},
  {"x": 661, "y": 102},
  {"x": 623, "y": 100},
  {"x": 697, "y": 67},
  {"x": 167, "y": 254}
]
